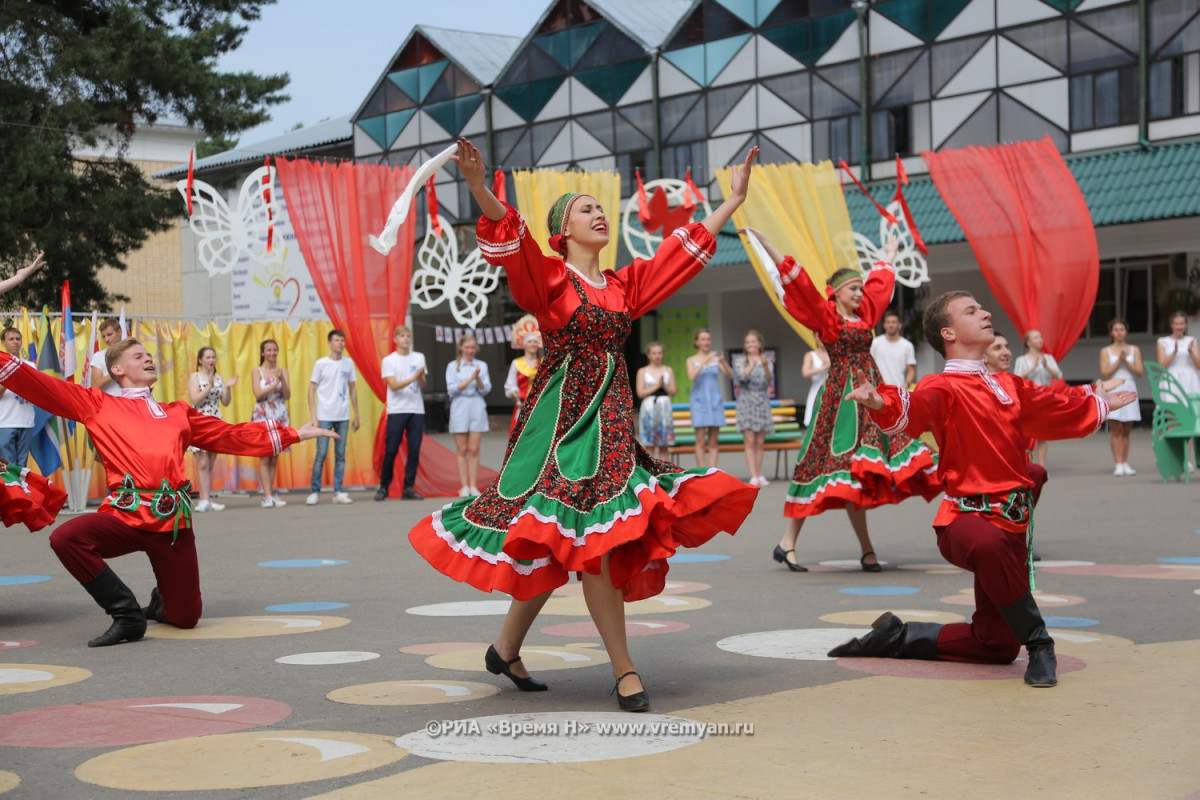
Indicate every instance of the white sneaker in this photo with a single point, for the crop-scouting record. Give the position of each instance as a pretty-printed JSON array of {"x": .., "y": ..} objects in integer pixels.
[
  {"x": 1119, "y": 470},
  {"x": 215, "y": 506},
  {"x": 275, "y": 501},
  {"x": 763, "y": 481},
  {"x": 202, "y": 506},
  {"x": 474, "y": 491},
  {"x": 342, "y": 498},
  {"x": 267, "y": 502},
  {"x": 464, "y": 492},
  {"x": 1129, "y": 470},
  {"x": 313, "y": 499}
]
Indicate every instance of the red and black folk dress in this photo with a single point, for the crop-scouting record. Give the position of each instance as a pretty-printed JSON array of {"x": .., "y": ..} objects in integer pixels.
[
  {"x": 844, "y": 458},
  {"x": 29, "y": 498},
  {"x": 576, "y": 484}
]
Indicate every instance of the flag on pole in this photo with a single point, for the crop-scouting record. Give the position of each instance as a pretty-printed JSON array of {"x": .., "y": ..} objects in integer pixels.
[
  {"x": 66, "y": 352},
  {"x": 92, "y": 348},
  {"x": 46, "y": 446}
]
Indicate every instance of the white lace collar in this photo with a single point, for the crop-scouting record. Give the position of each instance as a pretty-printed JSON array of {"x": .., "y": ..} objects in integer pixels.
[
  {"x": 967, "y": 366},
  {"x": 143, "y": 393},
  {"x": 603, "y": 284}
]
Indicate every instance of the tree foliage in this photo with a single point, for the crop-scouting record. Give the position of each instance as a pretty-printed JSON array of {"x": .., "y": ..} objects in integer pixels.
[{"x": 78, "y": 75}]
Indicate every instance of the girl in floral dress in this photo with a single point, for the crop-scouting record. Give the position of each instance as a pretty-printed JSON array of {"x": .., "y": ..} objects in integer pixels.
[
  {"x": 272, "y": 390},
  {"x": 577, "y": 493},
  {"x": 655, "y": 385},
  {"x": 845, "y": 461}
]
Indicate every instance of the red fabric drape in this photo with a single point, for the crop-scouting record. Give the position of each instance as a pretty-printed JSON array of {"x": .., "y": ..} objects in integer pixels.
[
  {"x": 332, "y": 207},
  {"x": 1031, "y": 232}
]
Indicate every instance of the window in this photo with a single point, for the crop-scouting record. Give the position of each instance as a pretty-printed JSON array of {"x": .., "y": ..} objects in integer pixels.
[
  {"x": 1134, "y": 290},
  {"x": 1166, "y": 88},
  {"x": 891, "y": 133},
  {"x": 838, "y": 139},
  {"x": 1104, "y": 99}
]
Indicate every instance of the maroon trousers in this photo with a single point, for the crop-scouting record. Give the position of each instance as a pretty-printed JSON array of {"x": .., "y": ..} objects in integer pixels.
[{"x": 83, "y": 543}]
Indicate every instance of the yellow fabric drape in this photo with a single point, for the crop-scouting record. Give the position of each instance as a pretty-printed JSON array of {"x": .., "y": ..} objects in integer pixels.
[
  {"x": 538, "y": 189},
  {"x": 801, "y": 209},
  {"x": 174, "y": 345}
]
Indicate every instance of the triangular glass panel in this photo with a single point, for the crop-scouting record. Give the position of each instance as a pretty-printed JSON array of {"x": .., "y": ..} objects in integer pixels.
[
  {"x": 924, "y": 18},
  {"x": 1090, "y": 51},
  {"x": 529, "y": 99},
  {"x": 718, "y": 54},
  {"x": 950, "y": 57},
  {"x": 673, "y": 110},
  {"x": 825, "y": 33},
  {"x": 407, "y": 81},
  {"x": 690, "y": 61},
  {"x": 719, "y": 22},
  {"x": 782, "y": 13},
  {"x": 599, "y": 125},
  {"x": 376, "y": 128},
  {"x": 627, "y": 136},
  {"x": 1063, "y": 5},
  {"x": 543, "y": 134},
  {"x": 513, "y": 147},
  {"x": 1020, "y": 124},
  {"x": 453, "y": 114},
  {"x": 845, "y": 77},
  {"x": 911, "y": 87},
  {"x": 427, "y": 76},
  {"x": 396, "y": 122},
  {"x": 979, "y": 129},
  {"x": 794, "y": 89},
  {"x": 531, "y": 64},
  {"x": 690, "y": 32},
  {"x": 829, "y": 102},
  {"x": 641, "y": 116},
  {"x": 771, "y": 153},
  {"x": 887, "y": 69},
  {"x": 744, "y": 9},
  {"x": 1187, "y": 39},
  {"x": 610, "y": 47},
  {"x": 1118, "y": 24},
  {"x": 378, "y": 102},
  {"x": 396, "y": 99},
  {"x": 1046, "y": 40},
  {"x": 442, "y": 89},
  {"x": 611, "y": 82},
  {"x": 557, "y": 45},
  {"x": 942, "y": 13},
  {"x": 720, "y": 101},
  {"x": 582, "y": 37}
]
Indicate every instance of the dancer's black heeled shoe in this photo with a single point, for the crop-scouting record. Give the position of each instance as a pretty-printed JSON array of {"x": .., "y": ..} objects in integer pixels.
[
  {"x": 780, "y": 555},
  {"x": 876, "y": 567},
  {"x": 633, "y": 702},
  {"x": 498, "y": 666}
]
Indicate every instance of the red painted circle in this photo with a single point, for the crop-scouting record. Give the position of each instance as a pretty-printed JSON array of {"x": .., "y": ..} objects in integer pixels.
[
  {"x": 642, "y": 627},
  {"x": 116, "y": 723},
  {"x": 950, "y": 670},
  {"x": 1170, "y": 572},
  {"x": 16, "y": 644}
]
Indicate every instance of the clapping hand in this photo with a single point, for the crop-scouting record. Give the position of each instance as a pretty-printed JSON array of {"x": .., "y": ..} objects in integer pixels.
[
  {"x": 232, "y": 382},
  {"x": 865, "y": 393}
]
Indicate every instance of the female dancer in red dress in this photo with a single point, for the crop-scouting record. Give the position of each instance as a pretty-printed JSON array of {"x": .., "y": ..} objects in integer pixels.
[
  {"x": 577, "y": 493},
  {"x": 527, "y": 337},
  {"x": 844, "y": 461}
]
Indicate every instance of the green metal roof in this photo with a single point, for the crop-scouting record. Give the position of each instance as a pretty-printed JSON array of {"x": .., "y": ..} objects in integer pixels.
[{"x": 1120, "y": 187}]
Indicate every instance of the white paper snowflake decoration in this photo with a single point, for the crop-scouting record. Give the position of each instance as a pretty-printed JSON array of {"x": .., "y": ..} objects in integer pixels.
[
  {"x": 441, "y": 277},
  {"x": 224, "y": 235},
  {"x": 911, "y": 268},
  {"x": 641, "y": 243}
]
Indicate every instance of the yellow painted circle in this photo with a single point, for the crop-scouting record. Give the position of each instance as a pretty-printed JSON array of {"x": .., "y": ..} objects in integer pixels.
[
  {"x": 411, "y": 693},
  {"x": 18, "y": 678},
  {"x": 536, "y": 658},
  {"x": 9, "y": 781},
  {"x": 660, "y": 604},
  {"x": 240, "y": 761},
  {"x": 248, "y": 627},
  {"x": 867, "y": 617}
]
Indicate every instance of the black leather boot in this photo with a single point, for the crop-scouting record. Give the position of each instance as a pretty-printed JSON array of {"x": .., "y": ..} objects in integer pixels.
[
  {"x": 154, "y": 611},
  {"x": 891, "y": 638},
  {"x": 111, "y": 594},
  {"x": 1025, "y": 621}
]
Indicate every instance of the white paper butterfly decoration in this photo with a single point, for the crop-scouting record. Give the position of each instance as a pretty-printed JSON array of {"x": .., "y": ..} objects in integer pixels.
[
  {"x": 911, "y": 267},
  {"x": 227, "y": 234},
  {"x": 441, "y": 277}
]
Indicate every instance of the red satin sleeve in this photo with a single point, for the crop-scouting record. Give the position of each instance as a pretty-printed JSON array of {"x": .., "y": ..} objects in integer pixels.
[
  {"x": 679, "y": 258},
  {"x": 1048, "y": 414},
  {"x": 911, "y": 413},
  {"x": 877, "y": 293},
  {"x": 55, "y": 395},
  {"x": 262, "y": 439},
  {"x": 807, "y": 304},
  {"x": 537, "y": 281}
]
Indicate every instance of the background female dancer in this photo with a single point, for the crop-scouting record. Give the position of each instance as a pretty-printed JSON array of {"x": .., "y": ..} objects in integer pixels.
[
  {"x": 707, "y": 405},
  {"x": 577, "y": 493},
  {"x": 655, "y": 384},
  {"x": 844, "y": 461},
  {"x": 1180, "y": 354},
  {"x": 815, "y": 367},
  {"x": 467, "y": 381},
  {"x": 272, "y": 390},
  {"x": 207, "y": 392},
  {"x": 1122, "y": 360},
  {"x": 523, "y": 367},
  {"x": 754, "y": 404}
]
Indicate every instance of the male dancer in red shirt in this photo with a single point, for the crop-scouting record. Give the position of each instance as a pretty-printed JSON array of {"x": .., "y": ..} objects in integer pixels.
[
  {"x": 148, "y": 509},
  {"x": 981, "y": 422}
]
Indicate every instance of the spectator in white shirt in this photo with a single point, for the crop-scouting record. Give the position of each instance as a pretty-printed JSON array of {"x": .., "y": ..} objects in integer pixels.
[
  {"x": 894, "y": 355},
  {"x": 110, "y": 332},
  {"x": 404, "y": 372},
  {"x": 333, "y": 402},
  {"x": 16, "y": 413}
]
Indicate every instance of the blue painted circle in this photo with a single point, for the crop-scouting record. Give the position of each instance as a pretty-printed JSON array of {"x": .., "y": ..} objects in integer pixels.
[
  {"x": 18, "y": 580},
  {"x": 876, "y": 590},
  {"x": 1070, "y": 622},
  {"x": 695, "y": 558},
  {"x": 285, "y": 608},
  {"x": 1180, "y": 560},
  {"x": 304, "y": 562}
]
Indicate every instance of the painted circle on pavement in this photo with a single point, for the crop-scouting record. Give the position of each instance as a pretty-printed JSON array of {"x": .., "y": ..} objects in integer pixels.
[
  {"x": 328, "y": 657},
  {"x": 21, "y": 580},
  {"x": 1179, "y": 560},
  {"x": 1049, "y": 564},
  {"x": 554, "y": 737},
  {"x": 842, "y": 565},
  {"x": 411, "y": 693},
  {"x": 951, "y": 670},
  {"x": 246, "y": 627},
  {"x": 695, "y": 558},
  {"x": 867, "y": 617},
  {"x": 240, "y": 761},
  {"x": 304, "y": 608},
  {"x": 671, "y": 587},
  {"x": 465, "y": 608},
  {"x": 305, "y": 562},
  {"x": 932, "y": 569},
  {"x": 807, "y": 644},
  {"x": 9, "y": 781},
  {"x": 536, "y": 658},
  {"x": 659, "y": 604},
  {"x": 16, "y": 644},
  {"x": 118, "y": 723},
  {"x": 587, "y": 629},
  {"x": 433, "y": 648},
  {"x": 1070, "y": 622},
  {"x": 879, "y": 590},
  {"x": 1044, "y": 599},
  {"x": 20, "y": 678},
  {"x": 1169, "y": 572}
]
